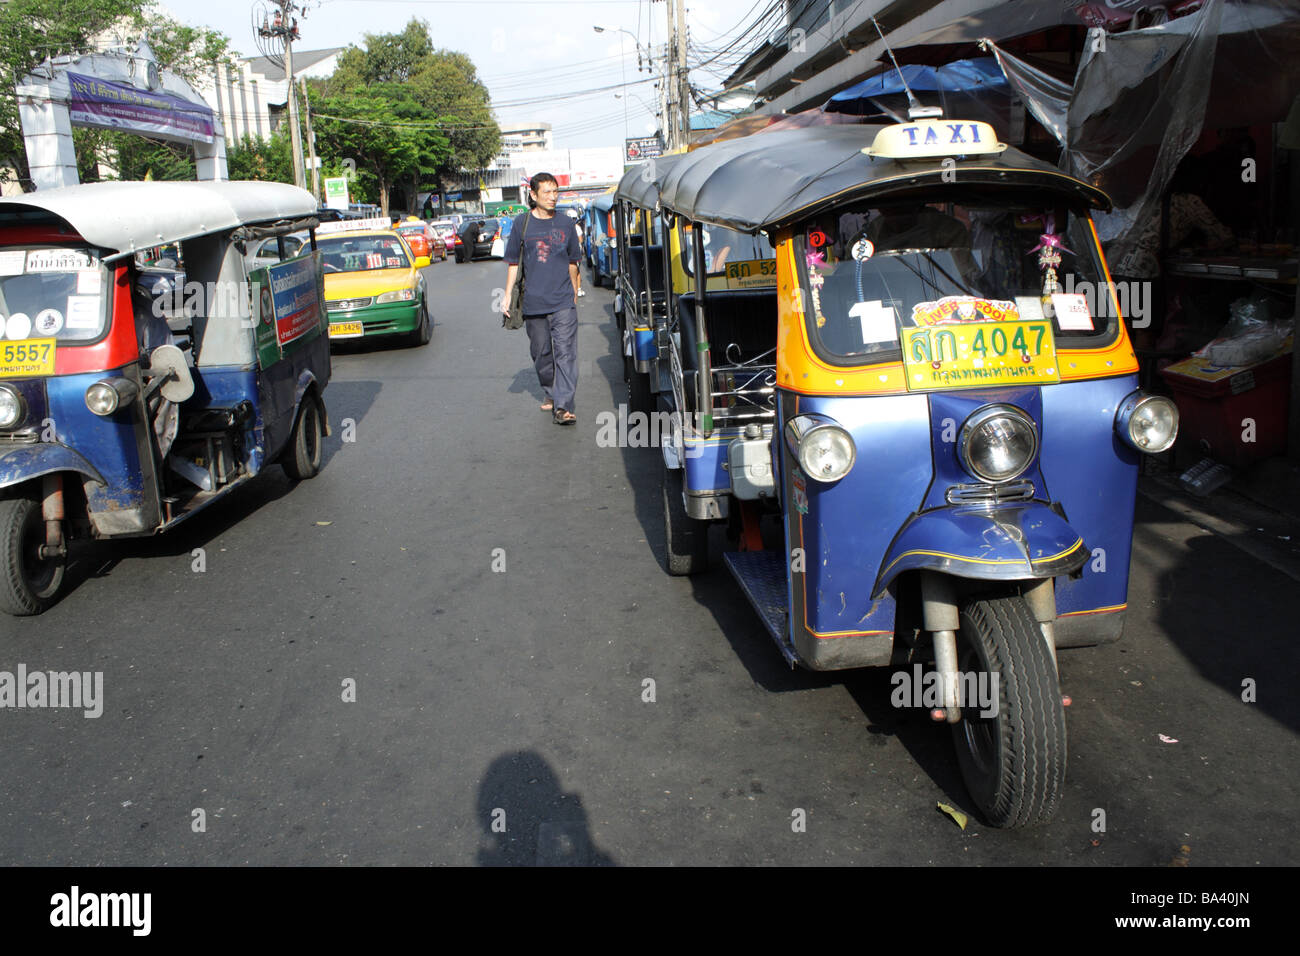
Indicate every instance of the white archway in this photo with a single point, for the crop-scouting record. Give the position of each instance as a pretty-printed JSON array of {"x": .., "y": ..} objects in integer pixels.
[{"x": 112, "y": 91}]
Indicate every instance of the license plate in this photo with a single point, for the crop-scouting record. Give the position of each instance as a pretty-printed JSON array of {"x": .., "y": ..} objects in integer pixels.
[
  {"x": 970, "y": 355},
  {"x": 345, "y": 330},
  {"x": 28, "y": 357},
  {"x": 750, "y": 272}
]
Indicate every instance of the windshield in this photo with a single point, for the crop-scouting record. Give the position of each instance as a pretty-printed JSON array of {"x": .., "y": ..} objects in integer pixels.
[
  {"x": 865, "y": 273},
  {"x": 52, "y": 293},
  {"x": 723, "y": 246},
  {"x": 362, "y": 253}
]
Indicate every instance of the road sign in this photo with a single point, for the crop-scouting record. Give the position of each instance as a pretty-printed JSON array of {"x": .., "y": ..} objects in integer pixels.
[{"x": 336, "y": 192}]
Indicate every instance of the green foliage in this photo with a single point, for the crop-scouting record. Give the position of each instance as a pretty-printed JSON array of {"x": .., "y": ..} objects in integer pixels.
[
  {"x": 384, "y": 130},
  {"x": 264, "y": 160},
  {"x": 403, "y": 77}
]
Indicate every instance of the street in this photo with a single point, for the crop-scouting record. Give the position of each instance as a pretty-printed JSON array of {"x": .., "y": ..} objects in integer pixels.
[{"x": 457, "y": 645}]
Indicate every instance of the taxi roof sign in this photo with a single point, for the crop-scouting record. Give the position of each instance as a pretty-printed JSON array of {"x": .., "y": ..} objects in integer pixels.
[
  {"x": 922, "y": 139},
  {"x": 354, "y": 225}
]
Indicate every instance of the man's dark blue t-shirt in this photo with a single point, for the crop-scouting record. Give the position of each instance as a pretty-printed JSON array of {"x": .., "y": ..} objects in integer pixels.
[{"x": 549, "y": 247}]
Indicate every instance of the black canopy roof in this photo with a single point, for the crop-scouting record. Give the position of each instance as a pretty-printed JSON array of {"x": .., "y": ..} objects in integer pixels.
[
  {"x": 770, "y": 179},
  {"x": 640, "y": 184}
]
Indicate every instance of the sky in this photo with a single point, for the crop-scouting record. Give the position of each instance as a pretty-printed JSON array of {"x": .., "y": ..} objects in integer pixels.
[{"x": 528, "y": 52}]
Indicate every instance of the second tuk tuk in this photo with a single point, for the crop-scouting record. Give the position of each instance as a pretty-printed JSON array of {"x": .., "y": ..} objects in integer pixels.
[
  {"x": 926, "y": 437},
  {"x": 657, "y": 280},
  {"x": 600, "y": 240},
  {"x": 129, "y": 400}
]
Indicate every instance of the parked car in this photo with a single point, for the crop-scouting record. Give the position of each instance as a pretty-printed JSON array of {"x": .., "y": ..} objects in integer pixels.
[
  {"x": 372, "y": 287},
  {"x": 423, "y": 233}
]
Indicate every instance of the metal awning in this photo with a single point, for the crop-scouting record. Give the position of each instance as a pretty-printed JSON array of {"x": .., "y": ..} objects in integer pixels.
[
  {"x": 1003, "y": 21},
  {"x": 130, "y": 216}
]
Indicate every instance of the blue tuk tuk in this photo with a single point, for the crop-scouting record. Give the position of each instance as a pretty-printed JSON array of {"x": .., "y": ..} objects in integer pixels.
[
  {"x": 926, "y": 436},
  {"x": 132, "y": 399},
  {"x": 600, "y": 240}
]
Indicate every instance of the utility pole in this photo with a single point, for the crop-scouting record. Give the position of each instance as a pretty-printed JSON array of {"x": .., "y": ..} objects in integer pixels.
[
  {"x": 683, "y": 75},
  {"x": 311, "y": 144},
  {"x": 283, "y": 26},
  {"x": 670, "y": 78}
]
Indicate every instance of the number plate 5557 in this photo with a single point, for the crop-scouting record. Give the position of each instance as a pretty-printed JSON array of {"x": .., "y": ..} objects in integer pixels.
[{"x": 31, "y": 357}]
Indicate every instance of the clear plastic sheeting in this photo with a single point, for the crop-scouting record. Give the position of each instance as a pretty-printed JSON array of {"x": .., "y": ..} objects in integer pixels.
[
  {"x": 1141, "y": 98},
  {"x": 1046, "y": 97}
]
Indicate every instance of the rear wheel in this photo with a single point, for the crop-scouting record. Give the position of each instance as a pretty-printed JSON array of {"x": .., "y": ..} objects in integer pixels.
[
  {"x": 28, "y": 583},
  {"x": 1013, "y": 761},
  {"x": 686, "y": 539},
  {"x": 302, "y": 459},
  {"x": 639, "y": 396}
]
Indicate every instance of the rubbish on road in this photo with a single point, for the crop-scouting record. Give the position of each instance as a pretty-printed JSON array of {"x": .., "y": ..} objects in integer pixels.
[
  {"x": 323, "y": 524},
  {"x": 1167, "y": 740},
  {"x": 956, "y": 814}
]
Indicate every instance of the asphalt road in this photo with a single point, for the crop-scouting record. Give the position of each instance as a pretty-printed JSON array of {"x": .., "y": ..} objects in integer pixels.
[{"x": 515, "y": 697}]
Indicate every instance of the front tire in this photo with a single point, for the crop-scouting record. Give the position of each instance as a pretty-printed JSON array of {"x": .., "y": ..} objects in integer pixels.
[
  {"x": 302, "y": 459},
  {"x": 686, "y": 539},
  {"x": 1014, "y": 761},
  {"x": 424, "y": 331},
  {"x": 28, "y": 584}
]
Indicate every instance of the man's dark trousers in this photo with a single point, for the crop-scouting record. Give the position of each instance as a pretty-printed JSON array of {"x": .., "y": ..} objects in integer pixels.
[{"x": 553, "y": 341}]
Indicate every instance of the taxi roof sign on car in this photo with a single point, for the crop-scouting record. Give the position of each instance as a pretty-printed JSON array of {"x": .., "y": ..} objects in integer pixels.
[
  {"x": 355, "y": 225},
  {"x": 927, "y": 138}
]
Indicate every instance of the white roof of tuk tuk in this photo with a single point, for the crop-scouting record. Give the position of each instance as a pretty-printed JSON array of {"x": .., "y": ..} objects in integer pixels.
[{"x": 130, "y": 216}]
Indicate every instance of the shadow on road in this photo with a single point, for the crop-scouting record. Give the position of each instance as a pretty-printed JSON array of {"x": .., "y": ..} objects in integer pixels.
[{"x": 528, "y": 819}]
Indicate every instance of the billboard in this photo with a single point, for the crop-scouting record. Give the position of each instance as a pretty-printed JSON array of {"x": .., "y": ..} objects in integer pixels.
[
  {"x": 96, "y": 102},
  {"x": 645, "y": 147}
]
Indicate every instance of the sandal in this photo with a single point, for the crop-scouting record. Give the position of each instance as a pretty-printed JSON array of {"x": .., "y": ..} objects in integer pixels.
[
  {"x": 563, "y": 416},
  {"x": 547, "y": 406}
]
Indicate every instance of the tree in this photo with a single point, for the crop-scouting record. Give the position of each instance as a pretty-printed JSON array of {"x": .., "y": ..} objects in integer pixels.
[
  {"x": 259, "y": 159},
  {"x": 440, "y": 87},
  {"x": 384, "y": 131}
]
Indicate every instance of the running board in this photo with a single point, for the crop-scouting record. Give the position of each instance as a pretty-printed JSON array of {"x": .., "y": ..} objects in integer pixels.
[{"x": 762, "y": 576}]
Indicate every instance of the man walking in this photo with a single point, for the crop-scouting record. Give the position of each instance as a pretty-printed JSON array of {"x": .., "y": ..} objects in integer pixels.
[{"x": 547, "y": 246}]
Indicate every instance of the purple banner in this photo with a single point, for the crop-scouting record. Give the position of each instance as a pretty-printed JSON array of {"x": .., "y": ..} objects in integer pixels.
[{"x": 96, "y": 102}]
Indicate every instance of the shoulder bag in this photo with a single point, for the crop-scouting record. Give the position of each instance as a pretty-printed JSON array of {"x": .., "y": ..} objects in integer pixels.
[{"x": 514, "y": 317}]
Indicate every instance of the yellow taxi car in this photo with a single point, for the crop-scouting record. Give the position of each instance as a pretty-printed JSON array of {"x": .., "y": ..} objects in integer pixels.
[{"x": 372, "y": 287}]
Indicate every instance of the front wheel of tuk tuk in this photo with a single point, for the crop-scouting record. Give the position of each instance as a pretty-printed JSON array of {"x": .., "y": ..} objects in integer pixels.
[
  {"x": 302, "y": 459},
  {"x": 686, "y": 539},
  {"x": 28, "y": 584},
  {"x": 1010, "y": 741}
]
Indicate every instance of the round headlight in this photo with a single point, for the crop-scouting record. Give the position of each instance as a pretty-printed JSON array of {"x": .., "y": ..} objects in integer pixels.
[
  {"x": 102, "y": 398},
  {"x": 11, "y": 407},
  {"x": 827, "y": 452},
  {"x": 1149, "y": 423},
  {"x": 997, "y": 443}
]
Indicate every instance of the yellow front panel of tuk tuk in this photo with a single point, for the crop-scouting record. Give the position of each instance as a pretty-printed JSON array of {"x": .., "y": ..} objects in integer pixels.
[{"x": 798, "y": 368}]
